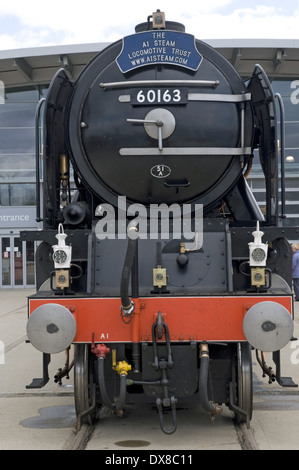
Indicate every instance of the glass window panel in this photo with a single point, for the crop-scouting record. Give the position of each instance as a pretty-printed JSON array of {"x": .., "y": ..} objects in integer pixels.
[
  {"x": 4, "y": 195},
  {"x": 6, "y": 266},
  {"x": 282, "y": 86},
  {"x": 22, "y": 94},
  {"x": 292, "y": 134},
  {"x": 17, "y": 194},
  {"x": 43, "y": 91},
  {"x": 22, "y": 195},
  {"x": 289, "y": 90},
  {"x": 17, "y": 166},
  {"x": 17, "y": 115},
  {"x": 18, "y": 262},
  {"x": 291, "y": 110},
  {"x": 291, "y": 194},
  {"x": 30, "y": 277},
  {"x": 17, "y": 144},
  {"x": 17, "y": 140}
]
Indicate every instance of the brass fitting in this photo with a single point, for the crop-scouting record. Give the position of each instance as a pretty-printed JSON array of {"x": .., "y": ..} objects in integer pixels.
[
  {"x": 64, "y": 167},
  {"x": 203, "y": 350},
  {"x": 159, "y": 277},
  {"x": 258, "y": 276},
  {"x": 62, "y": 278}
]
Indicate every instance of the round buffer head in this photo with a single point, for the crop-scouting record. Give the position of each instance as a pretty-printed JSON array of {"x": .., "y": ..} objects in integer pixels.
[
  {"x": 268, "y": 326},
  {"x": 51, "y": 328}
]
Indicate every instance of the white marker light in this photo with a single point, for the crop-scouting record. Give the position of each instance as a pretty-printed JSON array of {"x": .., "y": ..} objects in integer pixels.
[
  {"x": 257, "y": 250},
  {"x": 62, "y": 253}
]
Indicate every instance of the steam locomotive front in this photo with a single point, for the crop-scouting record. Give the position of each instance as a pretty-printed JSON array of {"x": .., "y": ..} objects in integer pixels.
[
  {"x": 160, "y": 125},
  {"x": 160, "y": 118}
]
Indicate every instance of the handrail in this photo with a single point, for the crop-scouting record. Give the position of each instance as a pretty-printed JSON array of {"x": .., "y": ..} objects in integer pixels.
[
  {"x": 282, "y": 152},
  {"x": 37, "y": 148},
  {"x": 133, "y": 83}
]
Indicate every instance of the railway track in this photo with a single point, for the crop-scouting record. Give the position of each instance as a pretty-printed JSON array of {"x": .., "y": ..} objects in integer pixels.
[
  {"x": 89, "y": 434},
  {"x": 246, "y": 438},
  {"x": 79, "y": 440}
]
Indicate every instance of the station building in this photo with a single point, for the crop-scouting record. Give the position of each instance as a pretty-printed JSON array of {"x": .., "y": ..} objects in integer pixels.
[{"x": 25, "y": 75}]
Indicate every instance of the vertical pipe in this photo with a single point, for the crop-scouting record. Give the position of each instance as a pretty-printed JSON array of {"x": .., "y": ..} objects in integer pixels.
[
  {"x": 136, "y": 317},
  {"x": 37, "y": 149},
  {"x": 282, "y": 153}
]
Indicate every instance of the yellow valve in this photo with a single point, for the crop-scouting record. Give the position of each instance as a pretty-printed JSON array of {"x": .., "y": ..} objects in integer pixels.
[{"x": 122, "y": 367}]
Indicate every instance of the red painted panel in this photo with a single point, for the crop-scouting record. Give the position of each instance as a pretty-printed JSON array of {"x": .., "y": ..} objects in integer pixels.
[{"x": 188, "y": 318}]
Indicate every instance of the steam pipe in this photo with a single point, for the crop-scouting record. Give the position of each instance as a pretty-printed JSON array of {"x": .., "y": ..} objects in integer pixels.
[
  {"x": 127, "y": 304},
  {"x": 136, "y": 324},
  {"x": 121, "y": 400},
  {"x": 102, "y": 385},
  {"x": 267, "y": 370},
  {"x": 67, "y": 367},
  {"x": 203, "y": 381}
]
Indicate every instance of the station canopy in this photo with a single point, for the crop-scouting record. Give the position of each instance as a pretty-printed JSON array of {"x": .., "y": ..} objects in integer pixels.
[{"x": 30, "y": 66}]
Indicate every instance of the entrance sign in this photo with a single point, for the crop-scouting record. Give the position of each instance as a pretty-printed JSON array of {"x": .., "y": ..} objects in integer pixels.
[{"x": 18, "y": 217}]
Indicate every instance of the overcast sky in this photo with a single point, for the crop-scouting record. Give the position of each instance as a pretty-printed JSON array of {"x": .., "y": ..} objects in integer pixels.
[{"x": 33, "y": 23}]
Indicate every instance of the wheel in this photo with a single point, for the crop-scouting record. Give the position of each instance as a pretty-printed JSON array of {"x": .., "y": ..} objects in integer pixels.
[
  {"x": 84, "y": 385},
  {"x": 243, "y": 384}
]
